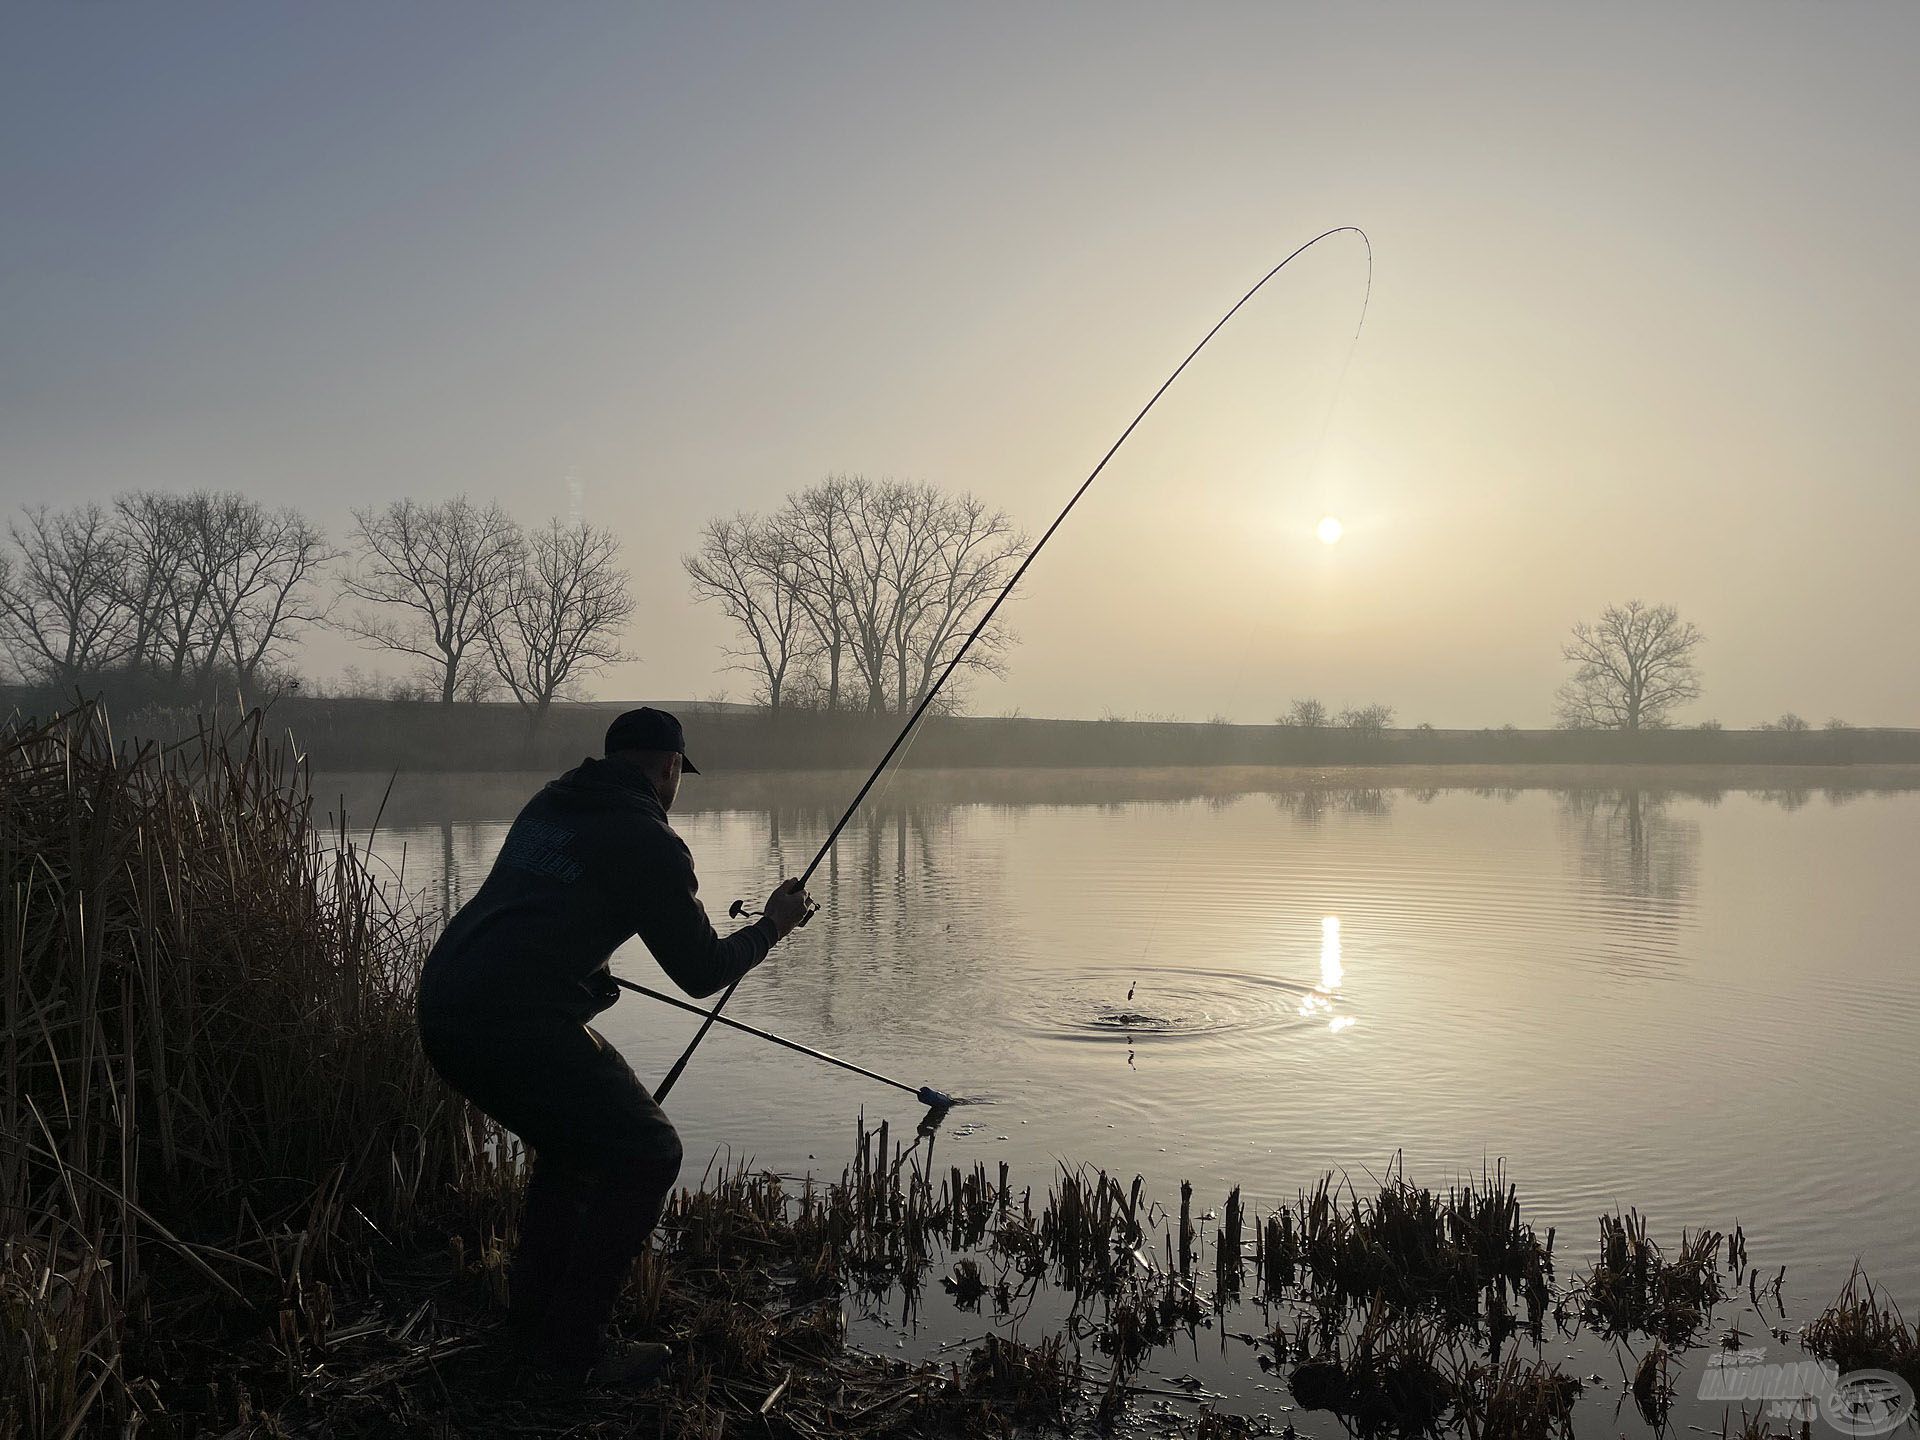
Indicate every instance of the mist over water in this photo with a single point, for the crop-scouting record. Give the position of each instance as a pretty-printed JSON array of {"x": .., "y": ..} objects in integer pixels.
[{"x": 1699, "y": 1005}]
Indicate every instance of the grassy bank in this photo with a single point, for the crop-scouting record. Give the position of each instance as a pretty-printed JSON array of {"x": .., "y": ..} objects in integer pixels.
[
  {"x": 235, "y": 1201},
  {"x": 422, "y": 736}
]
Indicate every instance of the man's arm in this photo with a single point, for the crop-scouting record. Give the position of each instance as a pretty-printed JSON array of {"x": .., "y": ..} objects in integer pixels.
[{"x": 673, "y": 924}]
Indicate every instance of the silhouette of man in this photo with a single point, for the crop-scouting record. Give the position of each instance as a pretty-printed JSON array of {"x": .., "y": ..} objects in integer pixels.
[{"x": 504, "y": 1001}]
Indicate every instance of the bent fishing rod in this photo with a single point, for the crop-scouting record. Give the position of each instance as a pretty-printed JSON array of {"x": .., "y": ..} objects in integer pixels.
[{"x": 933, "y": 691}]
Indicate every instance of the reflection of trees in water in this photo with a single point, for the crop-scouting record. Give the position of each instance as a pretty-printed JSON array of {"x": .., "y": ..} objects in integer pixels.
[
  {"x": 436, "y": 868},
  {"x": 1793, "y": 797},
  {"x": 452, "y": 897},
  {"x": 1313, "y": 805},
  {"x": 1631, "y": 846},
  {"x": 893, "y": 900}
]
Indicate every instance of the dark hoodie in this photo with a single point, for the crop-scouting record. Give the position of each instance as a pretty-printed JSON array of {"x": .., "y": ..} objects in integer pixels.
[{"x": 589, "y": 862}]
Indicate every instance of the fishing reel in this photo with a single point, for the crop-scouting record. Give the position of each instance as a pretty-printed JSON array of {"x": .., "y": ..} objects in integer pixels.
[{"x": 739, "y": 910}]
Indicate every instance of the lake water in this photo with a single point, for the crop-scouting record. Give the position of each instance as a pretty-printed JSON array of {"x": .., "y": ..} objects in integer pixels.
[{"x": 1702, "y": 1004}]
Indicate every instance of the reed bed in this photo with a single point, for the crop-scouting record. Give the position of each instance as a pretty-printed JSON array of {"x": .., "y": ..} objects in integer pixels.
[
  {"x": 1466, "y": 1254},
  {"x": 214, "y": 1099}
]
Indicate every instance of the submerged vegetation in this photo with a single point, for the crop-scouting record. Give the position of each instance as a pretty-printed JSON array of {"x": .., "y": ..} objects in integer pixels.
[{"x": 234, "y": 1200}]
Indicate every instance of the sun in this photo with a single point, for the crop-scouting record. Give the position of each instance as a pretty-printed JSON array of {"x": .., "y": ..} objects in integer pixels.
[{"x": 1329, "y": 530}]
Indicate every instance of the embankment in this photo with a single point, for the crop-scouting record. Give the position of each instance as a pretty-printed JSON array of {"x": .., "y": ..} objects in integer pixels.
[{"x": 423, "y": 736}]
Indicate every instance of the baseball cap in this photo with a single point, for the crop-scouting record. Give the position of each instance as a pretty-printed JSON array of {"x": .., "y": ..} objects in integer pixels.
[{"x": 649, "y": 729}]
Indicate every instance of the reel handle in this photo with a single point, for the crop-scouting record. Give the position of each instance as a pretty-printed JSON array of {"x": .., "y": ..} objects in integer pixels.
[{"x": 738, "y": 910}]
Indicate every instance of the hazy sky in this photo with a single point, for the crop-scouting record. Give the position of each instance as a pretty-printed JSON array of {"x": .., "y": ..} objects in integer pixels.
[{"x": 1644, "y": 316}]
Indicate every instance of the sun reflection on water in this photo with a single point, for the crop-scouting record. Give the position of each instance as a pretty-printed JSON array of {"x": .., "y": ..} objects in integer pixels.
[{"x": 1333, "y": 970}]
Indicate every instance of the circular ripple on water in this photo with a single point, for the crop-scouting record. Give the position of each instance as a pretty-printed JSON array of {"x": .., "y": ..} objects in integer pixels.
[{"x": 1171, "y": 1004}]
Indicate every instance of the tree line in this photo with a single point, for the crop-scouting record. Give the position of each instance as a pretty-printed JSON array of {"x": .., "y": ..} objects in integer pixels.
[
  {"x": 852, "y": 595},
  {"x": 186, "y": 593}
]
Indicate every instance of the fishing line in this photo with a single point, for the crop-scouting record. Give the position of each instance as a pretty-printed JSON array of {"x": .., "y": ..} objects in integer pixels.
[{"x": 986, "y": 619}]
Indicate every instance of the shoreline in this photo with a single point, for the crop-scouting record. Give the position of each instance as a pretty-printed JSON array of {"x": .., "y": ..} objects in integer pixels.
[
  {"x": 420, "y": 796},
  {"x": 421, "y": 737}
]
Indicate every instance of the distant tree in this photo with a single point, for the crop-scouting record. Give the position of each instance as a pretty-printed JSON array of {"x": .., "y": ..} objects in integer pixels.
[
  {"x": 1368, "y": 721},
  {"x": 214, "y": 585},
  {"x": 61, "y": 616},
  {"x": 565, "y": 606},
  {"x": 157, "y": 579},
  {"x": 816, "y": 519},
  {"x": 1789, "y": 723},
  {"x": 877, "y": 583},
  {"x": 750, "y": 568},
  {"x": 440, "y": 575},
  {"x": 1632, "y": 669},
  {"x": 919, "y": 567},
  {"x": 1708, "y": 725},
  {"x": 1836, "y": 723},
  {"x": 1308, "y": 714},
  {"x": 971, "y": 550},
  {"x": 260, "y": 566}
]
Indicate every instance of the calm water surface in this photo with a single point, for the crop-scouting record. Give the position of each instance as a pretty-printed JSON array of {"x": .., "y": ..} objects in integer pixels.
[{"x": 1705, "y": 1006}]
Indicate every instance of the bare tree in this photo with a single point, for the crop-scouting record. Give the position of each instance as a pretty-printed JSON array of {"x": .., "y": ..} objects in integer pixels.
[
  {"x": 1369, "y": 722},
  {"x": 879, "y": 563},
  {"x": 441, "y": 573},
  {"x": 970, "y": 552},
  {"x": 214, "y": 582},
  {"x": 880, "y": 583},
  {"x": 180, "y": 543},
  {"x": 260, "y": 567},
  {"x": 1631, "y": 670},
  {"x": 815, "y": 520},
  {"x": 750, "y": 567},
  {"x": 1307, "y": 714},
  {"x": 61, "y": 616},
  {"x": 156, "y": 537},
  {"x": 919, "y": 568},
  {"x": 564, "y": 611}
]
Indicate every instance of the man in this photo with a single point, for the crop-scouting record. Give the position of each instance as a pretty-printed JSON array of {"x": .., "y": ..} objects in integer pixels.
[{"x": 504, "y": 1000}]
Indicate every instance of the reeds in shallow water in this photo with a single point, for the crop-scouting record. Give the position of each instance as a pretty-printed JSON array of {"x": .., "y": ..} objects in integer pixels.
[
  {"x": 1635, "y": 1286},
  {"x": 1864, "y": 1330}
]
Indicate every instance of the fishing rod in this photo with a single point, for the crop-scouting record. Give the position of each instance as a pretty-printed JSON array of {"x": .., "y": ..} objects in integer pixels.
[
  {"x": 925, "y": 1094},
  {"x": 998, "y": 600}
]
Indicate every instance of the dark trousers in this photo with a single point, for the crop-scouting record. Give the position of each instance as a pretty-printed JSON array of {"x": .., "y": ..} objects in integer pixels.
[{"x": 605, "y": 1157}]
